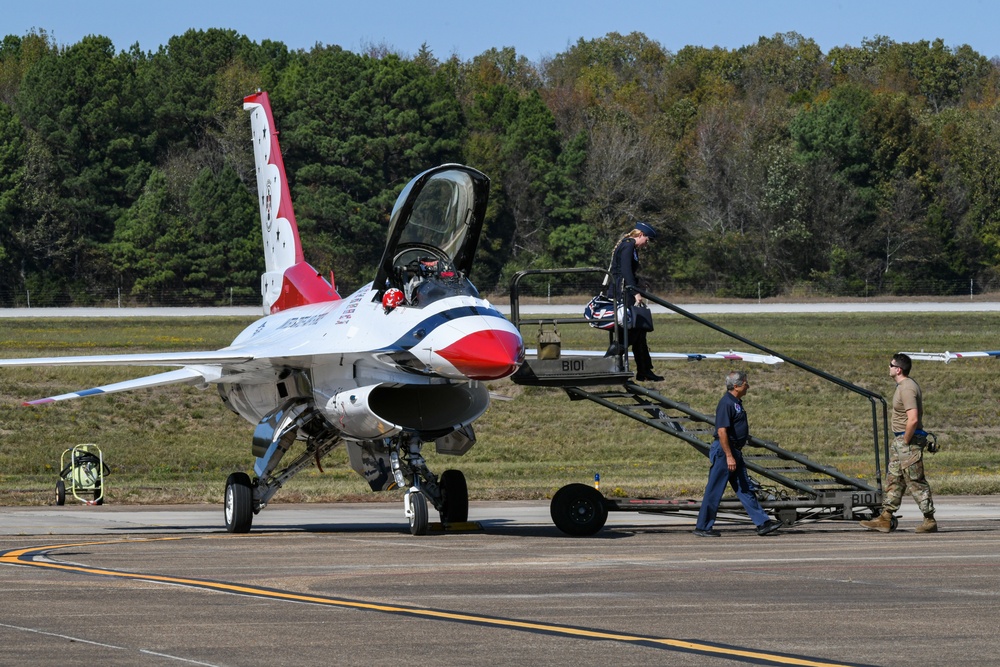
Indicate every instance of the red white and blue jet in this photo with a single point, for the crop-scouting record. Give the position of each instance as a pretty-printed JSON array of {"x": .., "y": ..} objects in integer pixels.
[{"x": 400, "y": 363}]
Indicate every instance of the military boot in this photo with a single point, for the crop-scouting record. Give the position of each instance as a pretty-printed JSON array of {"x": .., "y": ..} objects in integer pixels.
[
  {"x": 928, "y": 526},
  {"x": 882, "y": 524}
]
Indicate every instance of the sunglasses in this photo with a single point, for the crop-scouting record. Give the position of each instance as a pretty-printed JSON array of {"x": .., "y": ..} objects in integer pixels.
[{"x": 892, "y": 365}]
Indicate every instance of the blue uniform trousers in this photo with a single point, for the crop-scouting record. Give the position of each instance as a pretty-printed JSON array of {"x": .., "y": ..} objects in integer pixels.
[{"x": 718, "y": 477}]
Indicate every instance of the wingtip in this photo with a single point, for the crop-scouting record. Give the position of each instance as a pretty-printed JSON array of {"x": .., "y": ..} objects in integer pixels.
[{"x": 40, "y": 401}]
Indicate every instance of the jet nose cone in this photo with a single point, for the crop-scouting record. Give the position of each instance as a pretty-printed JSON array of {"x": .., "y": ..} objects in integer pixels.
[{"x": 489, "y": 354}]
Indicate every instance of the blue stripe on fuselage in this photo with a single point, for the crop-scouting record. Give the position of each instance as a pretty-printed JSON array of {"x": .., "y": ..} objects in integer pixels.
[{"x": 422, "y": 329}]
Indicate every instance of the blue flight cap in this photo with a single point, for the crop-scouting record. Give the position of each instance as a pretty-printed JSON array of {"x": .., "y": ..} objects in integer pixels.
[{"x": 646, "y": 229}]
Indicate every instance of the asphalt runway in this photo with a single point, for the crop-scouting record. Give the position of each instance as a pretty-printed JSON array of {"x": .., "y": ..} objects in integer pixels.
[{"x": 348, "y": 585}]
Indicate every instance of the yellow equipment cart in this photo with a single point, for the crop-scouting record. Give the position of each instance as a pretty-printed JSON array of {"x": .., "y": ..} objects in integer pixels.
[{"x": 83, "y": 469}]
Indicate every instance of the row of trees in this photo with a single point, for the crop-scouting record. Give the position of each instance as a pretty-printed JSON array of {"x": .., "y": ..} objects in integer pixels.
[{"x": 765, "y": 167}]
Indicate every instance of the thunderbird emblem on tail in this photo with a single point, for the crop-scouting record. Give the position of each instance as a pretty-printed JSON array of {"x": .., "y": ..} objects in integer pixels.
[{"x": 396, "y": 365}]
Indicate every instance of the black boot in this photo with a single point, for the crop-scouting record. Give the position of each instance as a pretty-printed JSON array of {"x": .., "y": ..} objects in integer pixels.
[{"x": 643, "y": 362}]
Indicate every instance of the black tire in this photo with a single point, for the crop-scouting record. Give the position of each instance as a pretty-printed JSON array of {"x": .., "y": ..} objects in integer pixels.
[
  {"x": 60, "y": 492},
  {"x": 238, "y": 503},
  {"x": 98, "y": 495},
  {"x": 578, "y": 510},
  {"x": 418, "y": 521},
  {"x": 893, "y": 523},
  {"x": 456, "y": 497}
]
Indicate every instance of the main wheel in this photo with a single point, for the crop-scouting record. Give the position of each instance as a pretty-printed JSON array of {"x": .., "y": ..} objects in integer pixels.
[
  {"x": 418, "y": 514},
  {"x": 98, "y": 495},
  {"x": 239, "y": 503},
  {"x": 456, "y": 497},
  {"x": 578, "y": 510},
  {"x": 60, "y": 492}
]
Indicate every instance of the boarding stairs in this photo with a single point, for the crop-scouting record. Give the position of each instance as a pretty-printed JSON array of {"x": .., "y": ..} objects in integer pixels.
[{"x": 798, "y": 490}]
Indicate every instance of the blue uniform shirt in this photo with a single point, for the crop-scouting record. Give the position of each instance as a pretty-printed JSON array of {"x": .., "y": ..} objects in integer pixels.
[{"x": 731, "y": 416}]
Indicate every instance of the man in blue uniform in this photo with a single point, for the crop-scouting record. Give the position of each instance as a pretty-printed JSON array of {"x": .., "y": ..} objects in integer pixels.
[{"x": 732, "y": 431}]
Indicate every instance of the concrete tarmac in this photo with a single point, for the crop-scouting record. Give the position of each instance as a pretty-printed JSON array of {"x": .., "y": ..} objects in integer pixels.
[{"x": 347, "y": 584}]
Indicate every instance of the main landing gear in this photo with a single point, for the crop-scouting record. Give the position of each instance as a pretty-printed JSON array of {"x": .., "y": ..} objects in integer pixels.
[
  {"x": 239, "y": 503},
  {"x": 448, "y": 493}
]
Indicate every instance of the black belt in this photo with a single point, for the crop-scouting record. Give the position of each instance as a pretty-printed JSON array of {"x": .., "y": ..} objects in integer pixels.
[{"x": 919, "y": 431}]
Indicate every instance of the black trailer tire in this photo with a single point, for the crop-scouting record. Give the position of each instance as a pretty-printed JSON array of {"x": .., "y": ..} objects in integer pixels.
[
  {"x": 578, "y": 510},
  {"x": 60, "y": 492},
  {"x": 239, "y": 503},
  {"x": 456, "y": 497},
  {"x": 419, "y": 522},
  {"x": 98, "y": 495}
]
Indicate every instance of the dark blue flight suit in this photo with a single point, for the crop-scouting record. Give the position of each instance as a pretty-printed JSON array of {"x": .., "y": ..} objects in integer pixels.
[{"x": 731, "y": 416}]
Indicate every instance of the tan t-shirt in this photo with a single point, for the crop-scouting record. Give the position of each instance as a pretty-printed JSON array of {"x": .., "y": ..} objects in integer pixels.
[{"x": 907, "y": 397}]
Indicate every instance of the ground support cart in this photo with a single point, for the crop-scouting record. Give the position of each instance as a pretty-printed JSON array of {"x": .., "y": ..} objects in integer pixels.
[{"x": 82, "y": 467}]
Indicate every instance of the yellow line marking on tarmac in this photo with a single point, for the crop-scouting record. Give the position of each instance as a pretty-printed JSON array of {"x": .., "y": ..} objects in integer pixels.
[{"x": 26, "y": 557}]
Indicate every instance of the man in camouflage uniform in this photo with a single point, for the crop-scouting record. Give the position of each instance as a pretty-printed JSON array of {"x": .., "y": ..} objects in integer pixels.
[{"x": 906, "y": 455}]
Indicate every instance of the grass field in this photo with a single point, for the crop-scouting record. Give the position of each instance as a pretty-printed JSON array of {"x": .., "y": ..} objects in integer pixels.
[{"x": 178, "y": 444}]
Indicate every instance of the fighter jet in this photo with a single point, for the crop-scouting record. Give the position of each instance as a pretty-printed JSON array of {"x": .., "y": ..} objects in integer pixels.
[{"x": 397, "y": 365}]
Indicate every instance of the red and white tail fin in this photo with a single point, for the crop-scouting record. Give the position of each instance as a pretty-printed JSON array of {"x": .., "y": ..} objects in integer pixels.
[{"x": 288, "y": 280}]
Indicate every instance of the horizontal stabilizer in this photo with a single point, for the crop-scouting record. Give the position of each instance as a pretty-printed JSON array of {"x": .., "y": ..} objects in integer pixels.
[{"x": 190, "y": 375}]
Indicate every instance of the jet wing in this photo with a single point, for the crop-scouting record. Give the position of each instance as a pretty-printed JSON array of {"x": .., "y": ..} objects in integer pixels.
[
  {"x": 153, "y": 359},
  {"x": 948, "y": 356},
  {"x": 199, "y": 368},
  {"x": 187, "y": 375},
  {"x": 731, "y": 355}
]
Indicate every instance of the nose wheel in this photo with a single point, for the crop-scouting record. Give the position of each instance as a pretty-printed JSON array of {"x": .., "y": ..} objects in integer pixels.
[{"x": 416, "y": 511}]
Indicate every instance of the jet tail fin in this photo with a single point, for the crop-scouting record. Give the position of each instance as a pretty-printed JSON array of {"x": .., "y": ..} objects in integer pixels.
[{"x": 288, "y": 280}]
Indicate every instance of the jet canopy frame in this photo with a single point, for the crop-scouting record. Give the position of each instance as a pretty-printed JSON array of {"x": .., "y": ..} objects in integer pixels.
[{"x": 435, "y": 227}]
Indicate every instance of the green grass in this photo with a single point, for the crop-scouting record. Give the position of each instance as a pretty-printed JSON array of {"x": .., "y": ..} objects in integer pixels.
[{"x": 178, "y": 444}]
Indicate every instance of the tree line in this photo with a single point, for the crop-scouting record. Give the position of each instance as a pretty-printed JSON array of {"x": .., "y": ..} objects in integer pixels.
[{"x": 766, "y": 168}]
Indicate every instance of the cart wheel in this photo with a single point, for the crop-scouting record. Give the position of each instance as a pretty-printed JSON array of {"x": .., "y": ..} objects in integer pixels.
[
  {"x": 60, "y": 492},
  {"x": 578, "y": 510},
  {"x": 893, "y": 523},
  {"x": 239, "y": 503},
  {"x": 456, "y": 497},
  {"x": 98, "y": 495},
  {"x": 418, "y": 514}
]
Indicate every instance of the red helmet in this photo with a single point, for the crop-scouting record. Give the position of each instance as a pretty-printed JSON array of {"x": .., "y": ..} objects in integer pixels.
[{"x": 392, "y": 298}]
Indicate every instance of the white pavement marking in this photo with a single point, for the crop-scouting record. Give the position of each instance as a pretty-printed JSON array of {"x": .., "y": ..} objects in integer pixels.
[{"x": 67, "y": 637}]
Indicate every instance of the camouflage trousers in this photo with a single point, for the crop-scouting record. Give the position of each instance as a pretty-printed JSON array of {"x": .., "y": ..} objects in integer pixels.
[{"x": 906, "y": 471}]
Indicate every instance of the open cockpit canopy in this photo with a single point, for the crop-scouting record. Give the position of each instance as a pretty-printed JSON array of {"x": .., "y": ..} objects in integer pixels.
[{"x": 433, "y": 233}]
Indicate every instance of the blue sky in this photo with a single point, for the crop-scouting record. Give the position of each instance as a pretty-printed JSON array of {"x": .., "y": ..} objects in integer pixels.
[{"x": 536, "y": 28}]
